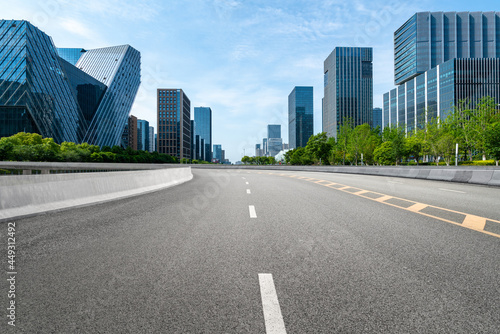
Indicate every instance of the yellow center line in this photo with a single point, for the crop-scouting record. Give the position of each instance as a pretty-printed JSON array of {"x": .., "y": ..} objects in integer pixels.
[
  {"x": 474, "y": 222},
  {"x": 470, "y": 221},
  {"x": 417, "y": 207},
  {"x": 360, "y": 192},
  {"x": 383, "y": 198}
]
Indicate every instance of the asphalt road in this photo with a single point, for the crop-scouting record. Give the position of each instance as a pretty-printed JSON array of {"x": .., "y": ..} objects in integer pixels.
[{"x": 191, "y": 259}]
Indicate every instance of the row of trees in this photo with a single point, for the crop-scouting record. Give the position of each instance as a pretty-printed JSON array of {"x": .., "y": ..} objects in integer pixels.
[
  {"x": 32, "y": 147},
  {"x": 477, "y": 131},
  {"x": 258, "y": 160}
]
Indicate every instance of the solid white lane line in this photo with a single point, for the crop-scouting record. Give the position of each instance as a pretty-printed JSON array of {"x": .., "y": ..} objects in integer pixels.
[
  {"x": 454, "y": 191},
  {"x": 248, "y": 191},
  {"x": 247, "y": 182},
  {"x": 395, "y": 182},
  {"x": 251, "y": 209},
  {"x": 272, "y": 311}
]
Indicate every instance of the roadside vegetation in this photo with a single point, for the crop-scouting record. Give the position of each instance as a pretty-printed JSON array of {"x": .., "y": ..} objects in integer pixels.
[
  {"x": 32, "y": 147},
  {"x": 477, "y": 132}
]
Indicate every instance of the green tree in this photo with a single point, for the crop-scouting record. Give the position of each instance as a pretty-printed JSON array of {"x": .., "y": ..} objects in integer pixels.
[
  {"x": 395, "y": 135},
  {"x": 318, "y": 148},
  {"x": 492, "y": 141},
  {"x": 384, "y": 154},
  {"x": 344, "y": 137}
]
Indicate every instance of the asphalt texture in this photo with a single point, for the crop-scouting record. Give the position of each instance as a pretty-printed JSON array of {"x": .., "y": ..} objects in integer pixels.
[{"x": 186, "y": 260}]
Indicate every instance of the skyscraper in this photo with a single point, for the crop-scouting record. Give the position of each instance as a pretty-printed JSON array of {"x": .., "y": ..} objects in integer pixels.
[
  {"x": 274, "y": 141},
  {"x": 48, "y": 95},
  {"x": 174, "y": 123},
  {"x": 300, "y": 116},
  {"x": 152, "y": 143},
  {"x": 203, "y": 123},
  {"x": 218, "y": 153},
  {"x": 377, "y": 117},
  {"x": 129, "y": 137},
  {"x": 348, "y": 88},
  {"x": 142, "y": 135},
  {"x": 440, "y": 59},
  {"x": 428, "y": 39}
]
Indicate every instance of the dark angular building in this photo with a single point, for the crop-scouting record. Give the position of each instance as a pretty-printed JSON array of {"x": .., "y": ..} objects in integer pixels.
[
  {"x": 348, "y": 85},
  {"x": 174, "y": 123},
  {"x": 300, "y": 116},
  {"x": 42, "y": 92}
]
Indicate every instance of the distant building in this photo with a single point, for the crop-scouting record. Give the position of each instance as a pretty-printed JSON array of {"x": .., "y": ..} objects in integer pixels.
[
  {"x": 300, "y": 116},
  {"x": 194, "y": 146},
  {"x": 258, "y": 151},
  {"x": 174, "y": 123},
  {"x": 129, "y": 136},
  {"x": 203, "y": 128},
  {"x": 274, "y": 131},
  {"x": 377, "y": 117},
  {"x": 152, "y": 142},
  {"x": 264, "y": 147},
  {"x": 274, "y": 141},
  {"x": 217, "y": 153},
  {"x": 348, "y": 88},
  {"x": 142, "y": 135},
  {"x": 42, "y": 91}
]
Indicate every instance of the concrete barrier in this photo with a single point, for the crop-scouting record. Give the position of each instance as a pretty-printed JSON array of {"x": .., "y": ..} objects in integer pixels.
[
  {"x": 484, "y": 175},
  {"x": 28, "y": 195}
]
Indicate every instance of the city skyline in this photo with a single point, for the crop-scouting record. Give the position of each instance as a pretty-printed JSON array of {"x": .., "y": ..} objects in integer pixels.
[{"x": 246, "y": 69}]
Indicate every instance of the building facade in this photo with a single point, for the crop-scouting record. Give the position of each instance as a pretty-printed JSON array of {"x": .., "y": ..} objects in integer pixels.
[
  {"x": 377, "y": 118},
  {"x": 43, "y": 93},
  {"x": 142, "y": 135},
  {"x": 217, "y": 153},
  {"x": 428, "y": 39},
  {"x": 129, "y": 137},
  {"x": 442, "y": 59},
  {"x": 152, "y": 142},
  {"x": 203, "y": 129},
  {"x": 174, "y": 123},
  {"x": 300, "y": 116},
  {"x": 436, "y": 92},
  {"x": 274, "y": 141},
  {"x": 348, "y": 88}
]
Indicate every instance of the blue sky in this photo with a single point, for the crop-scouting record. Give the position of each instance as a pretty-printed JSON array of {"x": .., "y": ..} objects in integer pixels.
[{"x": 241, "y": 58}]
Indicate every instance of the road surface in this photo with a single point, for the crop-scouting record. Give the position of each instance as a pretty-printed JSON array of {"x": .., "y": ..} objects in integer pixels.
[{"x": 236, "y": 251}]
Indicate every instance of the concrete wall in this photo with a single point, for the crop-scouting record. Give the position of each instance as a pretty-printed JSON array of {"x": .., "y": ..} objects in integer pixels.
[
  {"x": 27, "y": 195},
  {"x": 484, "y": 175}
]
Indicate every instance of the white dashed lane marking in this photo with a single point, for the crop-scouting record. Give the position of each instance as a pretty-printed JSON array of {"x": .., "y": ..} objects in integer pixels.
[
  {"x": 271, "y": 306},
  {"x": 251, "y": 210}
]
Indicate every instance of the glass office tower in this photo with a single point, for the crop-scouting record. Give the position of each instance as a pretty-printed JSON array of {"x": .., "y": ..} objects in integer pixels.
[
  {"x": 142, "y": 135},
  {"x": 43, "y": 93},
  {"x": 218, "y": 152},
  {"x": 203, "y": 123},
  {"x": 348, "y": 88},
  {"x": 71, "y": 55},
  {"x": 428, "y": 39},
  {"x": 441, "y": 59},
  {"x": 174, "y": 123},
  {"x": 300, "y": 116},
  {"x": 377, "y": 117}
]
